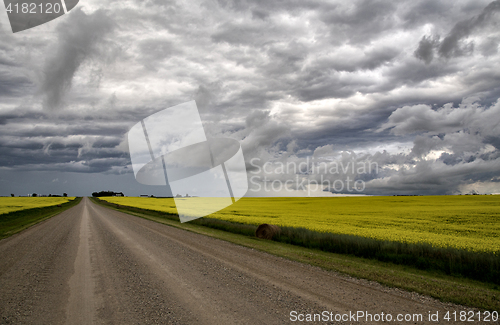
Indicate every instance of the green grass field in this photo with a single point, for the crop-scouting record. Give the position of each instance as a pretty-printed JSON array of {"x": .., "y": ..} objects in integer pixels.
[{"x": 462, "y": 222}]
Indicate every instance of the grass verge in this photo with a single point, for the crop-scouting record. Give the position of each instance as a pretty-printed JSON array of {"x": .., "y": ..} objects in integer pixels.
[
  {"x": 438, "y": 285},
  {"x": 14, "y": 222}
]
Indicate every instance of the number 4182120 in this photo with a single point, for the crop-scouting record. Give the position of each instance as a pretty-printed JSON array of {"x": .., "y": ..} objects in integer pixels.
[
  {"x": 470, "y": 316},
  {"x": 33, "y": 8}
]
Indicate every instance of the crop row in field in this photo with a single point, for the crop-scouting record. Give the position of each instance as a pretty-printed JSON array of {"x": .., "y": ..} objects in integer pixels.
[
  {"x": 464, "y": 222},
  {"x": 11, "y": 204}
]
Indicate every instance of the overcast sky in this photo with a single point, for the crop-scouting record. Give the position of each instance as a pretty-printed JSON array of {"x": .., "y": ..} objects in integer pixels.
[{"x": 413, "y": 86}]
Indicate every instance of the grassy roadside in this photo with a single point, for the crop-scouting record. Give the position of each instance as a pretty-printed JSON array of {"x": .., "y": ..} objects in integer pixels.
[
  {"x": 14, "y": 222},
  {"x": 443, "y": 287}
]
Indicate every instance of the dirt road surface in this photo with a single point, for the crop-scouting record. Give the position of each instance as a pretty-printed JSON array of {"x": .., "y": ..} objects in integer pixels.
[{"x": 93, "y": 265}]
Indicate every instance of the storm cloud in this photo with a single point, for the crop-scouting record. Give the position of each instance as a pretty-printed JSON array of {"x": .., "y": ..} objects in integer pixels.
[
  {"x": 453, "y": 44},
  {"x": 80, "y": 38},
  {"x": 409, "y": 86}
]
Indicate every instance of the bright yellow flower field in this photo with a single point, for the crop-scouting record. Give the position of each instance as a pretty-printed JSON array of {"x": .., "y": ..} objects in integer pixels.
[
  {"x": 10, "y": 204},
  {"x": 470, "y": 222}
]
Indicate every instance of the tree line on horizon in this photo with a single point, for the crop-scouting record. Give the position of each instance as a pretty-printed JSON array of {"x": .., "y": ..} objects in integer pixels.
[
  {"x": 42, "y": 195},
  {"x": 107, "y": 193}
]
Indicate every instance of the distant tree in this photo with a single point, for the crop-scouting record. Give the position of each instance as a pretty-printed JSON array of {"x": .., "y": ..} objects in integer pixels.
[
  {"x": 104, "y": 193},
  {"x": 65, "y": 194},
  {"x": 50, "y": 195},
  {"x": 12, "y": 195},
  {"x": 34, "y": 195}
]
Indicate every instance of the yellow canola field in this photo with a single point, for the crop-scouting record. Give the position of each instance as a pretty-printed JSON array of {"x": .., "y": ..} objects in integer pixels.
[
  {"x": 10, "y": 204},
  {"x": 469, "y": 222}
]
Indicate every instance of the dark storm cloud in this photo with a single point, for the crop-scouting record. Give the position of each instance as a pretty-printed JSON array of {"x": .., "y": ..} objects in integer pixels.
[
  {"x": 459, "y": 137},
  {"x": 260, "y": 8},
  {"x": 447, "y": 119},
  {"x": 452, "y": 151},
  {"x": 425, "y": 50},
  {"x": 421, "y": 12},
  {"x": 361, "y": 22},
  {"x": 294, "y": 67},
  {"x": 288, "y": 79},
  {"x": 430, "y": 178},
  {"x": 489, "y": 46},
  {"x": 80, "y": 37},
  {"x": 11, "y": 85},
  {"x": 67, "y": 157},
  {"x": 34, "y": 140},
  {"x": 326, "y": 78},
  {"x": 239, "y": 34},
  {"x": 264, "y": 132},
  {"x": 51, "y": 130},
  {"x": 345, "y": 136},
  {"x": 26, "y": 123},
  {"x": 156, "y": 50},
  {"x": 90, "y": 167},
  {"x": 452, "y": 45}
]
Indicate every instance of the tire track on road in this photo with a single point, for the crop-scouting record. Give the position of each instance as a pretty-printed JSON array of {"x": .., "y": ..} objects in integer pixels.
[{"x": 81, "y": 302}]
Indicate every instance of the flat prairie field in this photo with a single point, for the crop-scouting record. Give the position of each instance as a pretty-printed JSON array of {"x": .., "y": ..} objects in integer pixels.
[
  {"x": 11, "y": 204},
  {"x": 470, "y": 222}
]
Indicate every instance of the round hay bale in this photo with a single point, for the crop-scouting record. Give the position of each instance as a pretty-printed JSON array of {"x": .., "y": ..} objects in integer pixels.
[{"x": 266, "y": 231}]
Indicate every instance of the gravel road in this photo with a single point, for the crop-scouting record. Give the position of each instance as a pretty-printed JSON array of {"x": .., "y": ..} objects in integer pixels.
[{"x": 93, "y": 265}]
